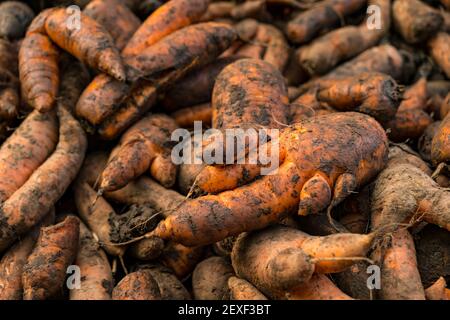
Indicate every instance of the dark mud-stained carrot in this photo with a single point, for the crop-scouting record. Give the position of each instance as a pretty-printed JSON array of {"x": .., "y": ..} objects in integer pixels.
[
  {"x": 411, "y": 120},
  {"x": 170, "y": 287},
  {"x": 437, "y": 290},
  {"x": 140, "y": 100},
  {"x": 47, "y": 183},
  {"x": 45, "y": 271},
  {"x": 241, "y": 289},
  {"x": 145, "y": 190},
  {"x": 399, "y": 273},
  {"x": 9, "y": 74},
  {"x": 218, "y": 10},
  {"x": 115, "y": 17},
  {"x": 138, "y": 285},
  {"x": 375, "y": 94},
  {"x": 308, "y": 24},
  {"x": 210, "y": 279},
  {"x": 173, "y": 15},
  {"x": 307, "y": 105},
  {"x": 383, "y": 59},
  {"x": 349, "y": 165},
  {"x": 145, "y": 146},
  {"x": 415, "y": 20},
  {"x": 15, "y": 17},
  {"x": 146, "y": 249},
  {"x": 93, "y": 209},
  {"x": 180, "y": 259},
  {"x": 439, "y": 46},
  {"x": 420, "y": 196},
  {"x": 9, "y": 104},
  {"x": 320, "y": 287},
  {"x": 74, "y": 78},
  {"x": 96, "y": 281},
  {"x": 186, "y": 117},
  {"x": 425, "y": 140},
  {"x": 38, "y": 70},
  {"x": 196, "y": 87},
  {"x": 440, "y": 145},
  {"x": 25, "y": 150},
  {"x": 203, "y": 41},
  {"x": 324, "y": 53},
  {"x": 100, "y": 99},
  {"x": 13, "y": 261}
]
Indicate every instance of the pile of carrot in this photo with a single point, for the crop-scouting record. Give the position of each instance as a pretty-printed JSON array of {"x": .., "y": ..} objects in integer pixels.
[{"x": 353, "y": 97}]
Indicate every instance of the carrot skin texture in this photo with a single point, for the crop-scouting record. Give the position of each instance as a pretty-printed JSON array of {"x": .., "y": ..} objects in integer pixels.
[
  {"x": 13, "y": 261},
  {"x": 241, "y": 289},
  {"x": 440, "y": 145},
  {"x": 399, "y": 273},
  {"x": 114, "y": 17},
  {"x": 439, "y": 46},
  {"x": 210, "y": 279},
  {"x": 25, "y": 150},
  {"x": 139, "y": 285},
  {"x": 38, "y": 70},
  {"x": 55, "y": 250},
  {"x": 47, "y": 183},
  {"x": 15, "y": 17},
  {"x": 96, "y": 283}
]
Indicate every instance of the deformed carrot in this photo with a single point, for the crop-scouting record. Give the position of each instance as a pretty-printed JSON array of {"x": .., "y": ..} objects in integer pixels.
[{"x": 45, "y": 271}]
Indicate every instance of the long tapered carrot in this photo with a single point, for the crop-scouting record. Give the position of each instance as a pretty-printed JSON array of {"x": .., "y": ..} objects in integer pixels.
[{"x": 47, "y": 183}]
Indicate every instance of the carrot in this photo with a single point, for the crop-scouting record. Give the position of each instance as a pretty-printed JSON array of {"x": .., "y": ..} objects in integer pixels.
[
  {"x": 9, "y": 72},
  {"x": 383, "y": 59},
  {"x": 308, "y": 24},
  {"x": 9, "y": 104},
  {"x": 318, "y": 288},
  {"x": 210, "y": 279},
  {"x": 400, "y": 277},
  {"x": 38, "y": 70},
  {"x": 45, "y": 271},
  {"x": 146, "y": 249},
  {"x": 218, "y": 10},
  {"x": 415, "y": 20},
  {"x": 93, "y": 209},
  {"x": 114, "y": 17},
  {"x": 170, "y": 287},
  {"x": 306, "y": 106},
  {"x": 432, "y": 247},
  {"x": 411, "y": 120},
  {"x": 139, "y": 285},
  {"x": 99, "y": 99},
  {"x": 402, "y": 154},
  {"x": 203, "y": 41},
  {"x": 420, "y": 197},
  {"x": 281, "y": 259},
  {"x": 25, "y": 150},
  {"x": 180, "y": 259},
  {"x": 437, "y": 290},
  {"x": 353, "y": 281},
  {"x": 440, "y": 145},
  {"x": 445, "y": 107},
  {"x": 173, "y": 15},
  {"x": 439, "y": 46},
  {"x": 143, "y": 147},
  {"x": 375, "y": 94},
  {"x": 251, "y": 9},
  {"x": 146, "y": 191},
  {"x": 347, "y": 42},
  {"x": 15, "y": 17},
  {"x": 273, "y": 197},
  {"x": 74, "y": 78},
  {"x": 196, "y": 87},
  {"x": 241, "y": 289},
  {"x": 13, "y": 261},
  {"x": 186, "y": 117},
  {"x": 96, "y": 282},
  {"x": 47, "y": 184}
]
